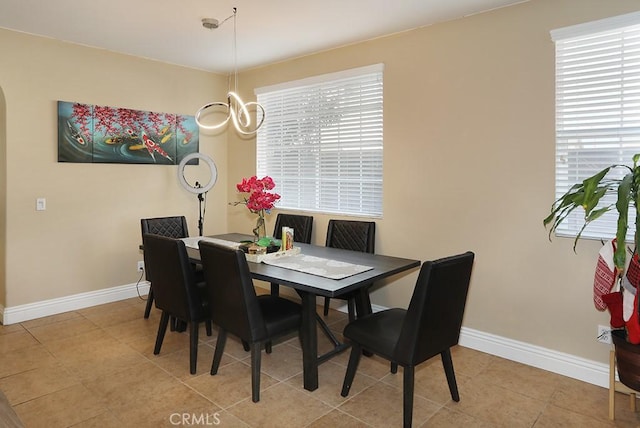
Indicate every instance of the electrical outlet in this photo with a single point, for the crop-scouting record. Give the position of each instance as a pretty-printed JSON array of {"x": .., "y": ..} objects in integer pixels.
[
  {"x": 604, "y": 334},
  {"x": 140, "y": 266}
]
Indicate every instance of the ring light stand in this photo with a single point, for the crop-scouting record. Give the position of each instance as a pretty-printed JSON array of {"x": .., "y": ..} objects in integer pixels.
[{"x": 198, "y": 189}]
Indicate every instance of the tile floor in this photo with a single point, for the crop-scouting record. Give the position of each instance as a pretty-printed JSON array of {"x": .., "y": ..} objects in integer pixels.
[{"x": 95, "y": 368}]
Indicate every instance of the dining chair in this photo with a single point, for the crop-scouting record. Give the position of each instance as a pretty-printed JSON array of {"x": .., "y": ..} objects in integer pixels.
[
  {"x": 172, "y": 227},
  {"x": 355, "y": 236},
  {"x": 177, "y": 294},
  {"x": 430, "y": 326},
  {"x": 302, "y": 226},
  {"x": 236, "y": 309}
]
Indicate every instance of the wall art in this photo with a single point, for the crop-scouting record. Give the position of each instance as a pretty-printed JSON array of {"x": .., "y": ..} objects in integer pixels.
[{"x": 98, "y": 134}]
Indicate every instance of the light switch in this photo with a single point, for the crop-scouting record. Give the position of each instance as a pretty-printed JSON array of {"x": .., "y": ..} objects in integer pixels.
[{"x": 41, "y": 204}]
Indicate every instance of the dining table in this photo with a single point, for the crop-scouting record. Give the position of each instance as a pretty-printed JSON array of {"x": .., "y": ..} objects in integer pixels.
[{"x": 311, "y": 285}]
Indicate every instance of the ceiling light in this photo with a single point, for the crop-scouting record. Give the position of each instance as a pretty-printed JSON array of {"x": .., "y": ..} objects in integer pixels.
[{"x": 234, "y": 108}]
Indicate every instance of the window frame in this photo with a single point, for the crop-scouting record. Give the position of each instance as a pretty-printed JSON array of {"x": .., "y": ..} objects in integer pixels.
[{"x": 322, "y": 142}]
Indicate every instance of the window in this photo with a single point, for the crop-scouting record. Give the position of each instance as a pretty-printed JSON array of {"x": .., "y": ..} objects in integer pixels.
[
  {"x": 597, "y": 107},
  {"x": 322, "y": 142}
]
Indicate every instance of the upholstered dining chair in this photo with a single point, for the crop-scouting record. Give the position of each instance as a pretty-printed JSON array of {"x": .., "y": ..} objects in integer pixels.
[
  {"x": 172, "y": 227},
  {"x": 355, "y": 236},
  {"x": 177, "y": 294},
  {"x": 430, "y": 326},
  {"x": 302, "y": 226},
  {"x": 236, "y": 308}
]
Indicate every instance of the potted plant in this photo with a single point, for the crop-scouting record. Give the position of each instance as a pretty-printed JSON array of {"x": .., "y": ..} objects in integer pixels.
[{"x": 589, "y": 195}]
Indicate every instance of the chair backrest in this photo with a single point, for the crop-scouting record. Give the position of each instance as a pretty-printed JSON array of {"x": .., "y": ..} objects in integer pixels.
[
  {"x": 170, "y": 273},
  {"x": 352, "y": 235},
  {"x": 301, "y": 224},
  {"x": 434, "y": 316},
  {"x": 232, "y": 297},
  {"x": 173, "y": 227}
]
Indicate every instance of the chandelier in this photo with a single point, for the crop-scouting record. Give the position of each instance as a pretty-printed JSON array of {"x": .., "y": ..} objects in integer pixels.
[{"x": 234, "y": 108}]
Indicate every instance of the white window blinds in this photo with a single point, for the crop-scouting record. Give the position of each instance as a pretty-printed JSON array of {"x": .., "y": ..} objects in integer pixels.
[
  {"x": 597, "y": 107},
  {"x": 322, "y": 142}
]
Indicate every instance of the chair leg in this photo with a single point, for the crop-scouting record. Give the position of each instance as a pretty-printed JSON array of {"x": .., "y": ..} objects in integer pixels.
[
  {"x": 217, "y": 355},
  {"x": 147, "y": 309},
  {"x": 407, "y": 396},
  {"x": 354, "y": 359},
  {"x": 275, "y": 289},
  {"x": 207, "y": 326},
  {"x": 268, "y": 348},
  {"x": 256, "y": 352},
  {"x": 451, "y": 376},
  {"x": 394, "y": 367},
  {"x": 326, "y": 306},
  {"x": 193, "y": 346},
  {"x": 246, "y": 346},
  {"x": 162, "y": 329}
]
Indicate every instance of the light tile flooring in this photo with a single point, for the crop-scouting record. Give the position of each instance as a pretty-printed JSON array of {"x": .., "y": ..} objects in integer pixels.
[{"x": 95, "y": 368}]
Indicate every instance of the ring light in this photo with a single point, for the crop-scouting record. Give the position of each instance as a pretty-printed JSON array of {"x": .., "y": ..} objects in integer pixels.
[{"x": 212, "y": 170}]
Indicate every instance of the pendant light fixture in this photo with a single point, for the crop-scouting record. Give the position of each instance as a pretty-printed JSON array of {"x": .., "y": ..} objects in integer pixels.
[{"x": 234, "y": 108}]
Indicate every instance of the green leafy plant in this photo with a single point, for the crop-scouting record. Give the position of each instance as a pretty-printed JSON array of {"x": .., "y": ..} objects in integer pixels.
[{"x": 588, "y": 196}]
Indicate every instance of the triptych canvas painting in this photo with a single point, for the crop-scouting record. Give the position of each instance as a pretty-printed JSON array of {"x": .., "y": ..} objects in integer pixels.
[{"x": 98, "y": 134}]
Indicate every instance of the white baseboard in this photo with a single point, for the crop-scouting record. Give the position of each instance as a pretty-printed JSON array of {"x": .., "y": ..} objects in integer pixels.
[
  {"x": 547, "y": 359},
  {"x": 20, "y": 313},
  {"x": 536, "y": 356}
]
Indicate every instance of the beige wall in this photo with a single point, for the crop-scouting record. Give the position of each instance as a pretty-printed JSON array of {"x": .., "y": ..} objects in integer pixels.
[
  {"x": 469, "y": 164},
  {"x": 3, "y": 199},
  {"x": 88, "y": 237}
]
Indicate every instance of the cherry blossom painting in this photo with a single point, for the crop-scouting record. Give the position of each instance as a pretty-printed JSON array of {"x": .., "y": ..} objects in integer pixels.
[{"x": 98, "y": 134}]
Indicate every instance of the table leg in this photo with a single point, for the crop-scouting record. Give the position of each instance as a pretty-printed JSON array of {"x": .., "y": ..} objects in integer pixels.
[{"x": 309, "y": 339}]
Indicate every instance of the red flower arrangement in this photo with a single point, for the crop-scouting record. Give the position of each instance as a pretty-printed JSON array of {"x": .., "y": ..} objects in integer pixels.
[{"x": 260, "y": 199}]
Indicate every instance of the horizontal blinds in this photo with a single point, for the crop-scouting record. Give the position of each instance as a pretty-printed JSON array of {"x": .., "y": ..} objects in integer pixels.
[
  {"x": 597, "y": 109},
  {"x": 322, "y": 144}
]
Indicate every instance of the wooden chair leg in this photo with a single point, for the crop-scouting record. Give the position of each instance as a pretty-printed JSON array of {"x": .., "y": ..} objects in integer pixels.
[
  {"x": 447, "y": 363},
  {"x": 193, "y": 347},
  {"x": 217, "y": 355},
  {"x": 354, "y": 359},
  {"x": 407, "y": 396},
  {"x": 147, "y": 309},
  {"x": 632, "y": 402},
  {"x": 162, "y": 329},
  {"x": 256, "y": 353}
]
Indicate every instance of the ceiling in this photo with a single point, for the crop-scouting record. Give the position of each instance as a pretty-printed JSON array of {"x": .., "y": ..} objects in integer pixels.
[{"x": 267, "y": 31}]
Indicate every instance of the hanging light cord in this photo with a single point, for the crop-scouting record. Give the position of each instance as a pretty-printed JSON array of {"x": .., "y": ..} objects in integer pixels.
[{"x": 237, "y": 110}]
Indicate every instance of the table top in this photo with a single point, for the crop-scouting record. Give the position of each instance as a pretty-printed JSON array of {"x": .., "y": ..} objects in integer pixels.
[{"x": 383, "y": 267}]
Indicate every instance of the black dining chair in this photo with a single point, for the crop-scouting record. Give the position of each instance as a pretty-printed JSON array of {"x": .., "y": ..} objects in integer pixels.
[
  {"x": 236, "y": 308},
  {"x": 302, "y": 226},
  {"x": 355, "y": 236},
  {"x": 172, "y": 227},
  {"x": 430, "y": 326},
  {"x": 177, "y": 294}
]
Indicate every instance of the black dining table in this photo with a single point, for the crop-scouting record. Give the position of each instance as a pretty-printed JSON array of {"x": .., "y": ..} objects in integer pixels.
[{"x": 309, "y": 286}]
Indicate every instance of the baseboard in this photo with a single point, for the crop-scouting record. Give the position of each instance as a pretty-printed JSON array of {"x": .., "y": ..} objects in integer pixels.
[
  {"x": 536, "y": 356},
  {"x": 547, "y": 359},
  {"x": 20, "y": 313}
]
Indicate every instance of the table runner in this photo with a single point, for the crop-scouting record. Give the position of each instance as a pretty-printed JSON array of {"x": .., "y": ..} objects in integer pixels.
[
  {"x": 192, "y": 242},
  {"x": 318, "y": 266}
]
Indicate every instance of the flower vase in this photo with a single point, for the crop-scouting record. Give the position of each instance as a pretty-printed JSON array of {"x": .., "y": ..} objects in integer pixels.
[{"x": 260, "y": 231}]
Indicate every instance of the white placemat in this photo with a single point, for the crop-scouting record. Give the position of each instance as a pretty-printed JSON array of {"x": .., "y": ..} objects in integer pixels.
[{"x": 327, "y": 268}]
